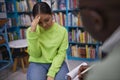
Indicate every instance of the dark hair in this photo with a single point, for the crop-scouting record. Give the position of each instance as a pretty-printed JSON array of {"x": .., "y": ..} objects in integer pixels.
[{"x": 41, "y": 7}]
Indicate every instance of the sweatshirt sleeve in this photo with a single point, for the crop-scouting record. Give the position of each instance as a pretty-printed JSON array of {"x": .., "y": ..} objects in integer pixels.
[
  {"x": 34, "y": 49},
  {"x": 58, "y": 60}
]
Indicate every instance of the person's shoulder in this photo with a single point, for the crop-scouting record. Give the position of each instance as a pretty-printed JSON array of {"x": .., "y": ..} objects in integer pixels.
[
  {"x": 60, "y": 27},
  {"x": 28, "y": 29}
]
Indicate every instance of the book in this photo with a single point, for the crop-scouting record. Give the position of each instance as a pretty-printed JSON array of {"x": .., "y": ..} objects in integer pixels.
[
  {"x": 73, "y": 73},
  {"x": 62, "y": 4},
  {"x": 83, "y": 72},
  {"x": 31, "y": 3},
  {"x": 54, "y": 5},
  {"x": 47, "y": 1}
]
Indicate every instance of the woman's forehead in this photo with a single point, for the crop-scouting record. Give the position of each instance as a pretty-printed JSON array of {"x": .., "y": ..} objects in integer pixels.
[{"x": 43, "y": 16}]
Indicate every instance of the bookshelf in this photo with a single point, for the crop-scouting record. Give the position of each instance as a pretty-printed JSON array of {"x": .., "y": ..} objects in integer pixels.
[
  {"x": 81, "y": 45},
  {"x": 2, "y": 9},
  {"x": 5, "y": 54},
  {"x": 19, "y": 16}
]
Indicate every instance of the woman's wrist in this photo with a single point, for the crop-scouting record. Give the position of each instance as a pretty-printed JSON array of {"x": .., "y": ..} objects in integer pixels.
[{"x": 32, "y": 29}]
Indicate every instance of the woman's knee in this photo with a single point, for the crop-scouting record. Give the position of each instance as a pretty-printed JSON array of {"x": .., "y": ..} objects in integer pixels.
[
  {"x": 62, "y": 72},
  {"x": 36, "y": 72}
]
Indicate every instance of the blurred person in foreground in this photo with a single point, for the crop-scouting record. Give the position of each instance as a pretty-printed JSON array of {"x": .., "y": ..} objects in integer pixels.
[{"x": 101, "y": 18}]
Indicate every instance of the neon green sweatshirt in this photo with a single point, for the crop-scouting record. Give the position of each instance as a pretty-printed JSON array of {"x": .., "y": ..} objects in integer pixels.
[{"x": 48, "y": 46}]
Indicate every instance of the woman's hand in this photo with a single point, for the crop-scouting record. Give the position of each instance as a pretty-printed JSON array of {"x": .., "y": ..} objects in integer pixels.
[
  {"x": 50, "y": 78},
  {"x": 34, "y": 23}
]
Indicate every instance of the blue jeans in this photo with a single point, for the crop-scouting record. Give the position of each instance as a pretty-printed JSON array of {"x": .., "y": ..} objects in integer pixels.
[{"x": 38, "y": 71}]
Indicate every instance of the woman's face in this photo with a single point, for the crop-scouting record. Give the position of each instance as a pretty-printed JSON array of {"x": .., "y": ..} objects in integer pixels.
[{"x": 45, "y": 21}]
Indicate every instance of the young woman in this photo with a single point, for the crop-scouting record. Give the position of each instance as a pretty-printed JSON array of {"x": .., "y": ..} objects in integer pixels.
[{"x": 47, "y": 45}]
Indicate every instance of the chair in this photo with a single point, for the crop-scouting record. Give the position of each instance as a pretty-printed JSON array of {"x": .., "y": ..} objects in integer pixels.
[
  {"x": 4, "y": 63},
  {"x": 19, "y": 55},
  {"x": 18, "y": 49}
]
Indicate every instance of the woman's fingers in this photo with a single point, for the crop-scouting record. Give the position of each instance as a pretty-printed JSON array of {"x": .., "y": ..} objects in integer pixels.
[
  {"x": 34, "y": 23},
  {"x": 36, "y": 20}
]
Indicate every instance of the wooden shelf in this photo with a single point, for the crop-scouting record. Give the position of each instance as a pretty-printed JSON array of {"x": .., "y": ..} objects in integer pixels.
[{"x": 2, "y": 22}]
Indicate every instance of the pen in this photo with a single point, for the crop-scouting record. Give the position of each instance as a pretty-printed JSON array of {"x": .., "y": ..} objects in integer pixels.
[{"x": 87, "y": 69}]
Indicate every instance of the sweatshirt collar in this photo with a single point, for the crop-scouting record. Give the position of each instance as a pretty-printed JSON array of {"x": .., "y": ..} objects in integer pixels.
[{"x": 51, "y": 28}]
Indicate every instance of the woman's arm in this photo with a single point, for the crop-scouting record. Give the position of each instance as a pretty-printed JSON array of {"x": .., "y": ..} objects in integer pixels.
[
  {"x": 32, "y": 38},
  {"x": 60, "y": 57}
]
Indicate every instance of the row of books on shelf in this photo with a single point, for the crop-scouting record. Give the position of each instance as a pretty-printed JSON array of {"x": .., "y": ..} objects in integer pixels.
[
  {"x": 3, "y": 15},
  {"x": 83, "y": 52},
  {"x": 76, "y": 35},
  {"x": 23, "y": 20},
  {"x": 31, "y": 4},
  {"x": 73, "y": 4},
  {"x": 25, "y": 5},
  {"x": 14, "y": 35},
  {"x": 60, "y": 18},
  {"x": 21, "y": 5},
  {"x": 61, "y": 4},
  {"x": 26, "y": 19},
  {"x": 23, "y": 33},
  {"x": 10, "y": 7},
  {"x": 73, "y": 19},
  {"x": 12, "y": 22},
  {"x": 2, "y": 7}
]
